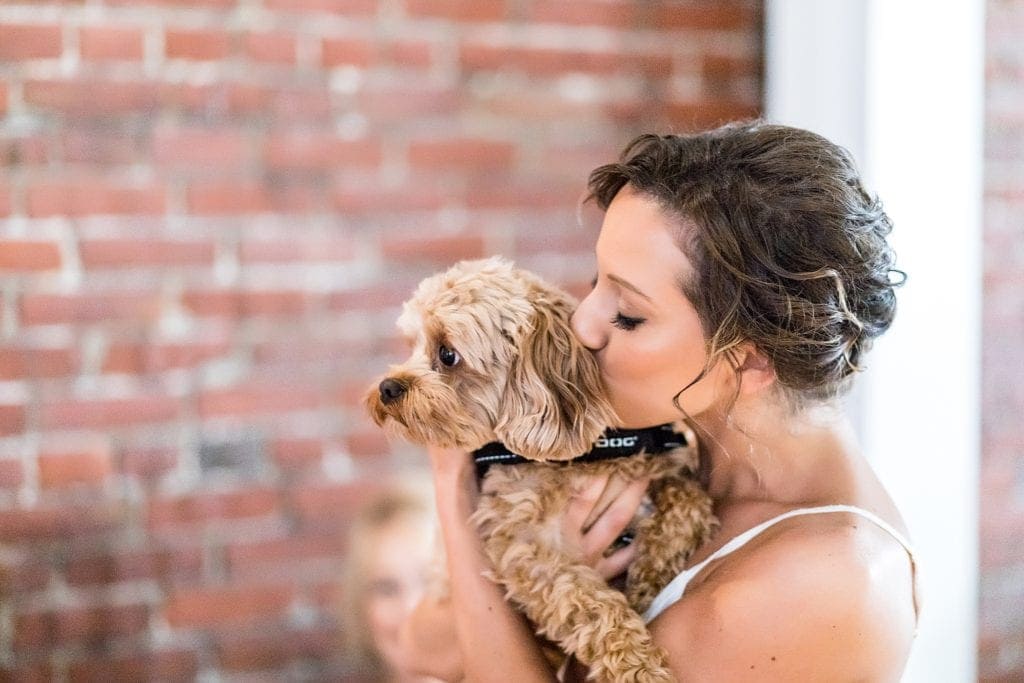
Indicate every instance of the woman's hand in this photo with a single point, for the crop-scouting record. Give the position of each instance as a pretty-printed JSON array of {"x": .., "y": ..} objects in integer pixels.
[
  {"x": 454, "y": 475},
  {"x": 596, "y": 516}
]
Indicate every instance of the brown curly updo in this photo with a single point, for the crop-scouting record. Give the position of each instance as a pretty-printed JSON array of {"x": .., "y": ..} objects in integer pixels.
[{"x": 788, "y": 248}]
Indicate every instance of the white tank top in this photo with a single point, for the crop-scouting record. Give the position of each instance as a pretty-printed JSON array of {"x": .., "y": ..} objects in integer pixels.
[{"x": 675, "y": 589}]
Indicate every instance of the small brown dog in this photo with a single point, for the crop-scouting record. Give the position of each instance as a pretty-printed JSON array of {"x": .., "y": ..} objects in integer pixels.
[{"x": 494, "y": 359}]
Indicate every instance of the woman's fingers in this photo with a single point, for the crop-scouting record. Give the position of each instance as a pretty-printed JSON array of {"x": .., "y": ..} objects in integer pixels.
[
  {"x": 616, "y": 563},
  {"x": 614, "y": 520},
  {"x": 581, "y": 506}
]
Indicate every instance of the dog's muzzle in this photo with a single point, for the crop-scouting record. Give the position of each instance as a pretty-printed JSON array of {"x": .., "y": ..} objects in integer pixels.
[{"x": 391, "y": 390}]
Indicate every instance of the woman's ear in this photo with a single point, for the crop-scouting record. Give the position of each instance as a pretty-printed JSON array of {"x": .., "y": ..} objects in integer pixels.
[
  {"x": 755, "y": 369},
  {"x": 554, "y": 403}
]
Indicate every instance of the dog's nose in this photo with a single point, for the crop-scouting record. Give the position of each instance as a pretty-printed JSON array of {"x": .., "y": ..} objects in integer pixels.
[{"x": 391, "y": 390}]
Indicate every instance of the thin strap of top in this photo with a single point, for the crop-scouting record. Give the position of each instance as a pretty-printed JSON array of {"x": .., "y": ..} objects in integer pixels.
[{"x": 675, "y": 589}]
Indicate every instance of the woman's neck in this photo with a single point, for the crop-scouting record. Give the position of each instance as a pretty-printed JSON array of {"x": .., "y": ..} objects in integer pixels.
[{"x": 762, "y": 452}]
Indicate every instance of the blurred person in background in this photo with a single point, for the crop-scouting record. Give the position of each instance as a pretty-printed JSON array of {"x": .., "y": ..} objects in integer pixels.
[{"x": 390, "y": 552}]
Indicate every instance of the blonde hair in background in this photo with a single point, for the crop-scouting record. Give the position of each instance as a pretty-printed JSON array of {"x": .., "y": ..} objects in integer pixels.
[{"x": 404, "y": 500}]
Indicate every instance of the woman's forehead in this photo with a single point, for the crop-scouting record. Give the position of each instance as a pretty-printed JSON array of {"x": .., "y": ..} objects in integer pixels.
[{"x": 638, "y": 242}]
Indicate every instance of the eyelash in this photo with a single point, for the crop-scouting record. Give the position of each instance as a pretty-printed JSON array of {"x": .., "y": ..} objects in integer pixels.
[{"x": 624, "y": 322}]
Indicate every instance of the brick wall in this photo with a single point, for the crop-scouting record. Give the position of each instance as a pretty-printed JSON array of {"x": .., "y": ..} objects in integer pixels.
[
  {"x": 209, "y": 211},
  {"x": 1001, "y": 632}
]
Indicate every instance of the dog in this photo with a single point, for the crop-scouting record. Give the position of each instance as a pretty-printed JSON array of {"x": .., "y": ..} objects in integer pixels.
[{"x": 494, "y": 360}]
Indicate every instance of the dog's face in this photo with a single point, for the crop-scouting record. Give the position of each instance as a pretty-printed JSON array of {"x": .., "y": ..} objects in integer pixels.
[{"x": 493, "y": 359}]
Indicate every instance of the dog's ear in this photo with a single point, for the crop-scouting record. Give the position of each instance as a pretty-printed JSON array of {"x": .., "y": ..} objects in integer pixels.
[{"x": 554, "y": 403}]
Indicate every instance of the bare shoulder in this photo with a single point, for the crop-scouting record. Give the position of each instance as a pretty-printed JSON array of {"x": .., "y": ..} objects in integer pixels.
[{"x": 824, "y": 597}]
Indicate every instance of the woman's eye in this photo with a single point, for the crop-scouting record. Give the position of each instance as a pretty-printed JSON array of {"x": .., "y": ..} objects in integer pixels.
[
  {"x": 448, "y": 357},
  {"x": 624, "y": 322}
]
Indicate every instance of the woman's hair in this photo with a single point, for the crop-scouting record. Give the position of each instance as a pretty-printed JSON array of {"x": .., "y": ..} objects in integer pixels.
[
  {"x": 788, "y": 248},
  {"x": 406, "y": 503}
]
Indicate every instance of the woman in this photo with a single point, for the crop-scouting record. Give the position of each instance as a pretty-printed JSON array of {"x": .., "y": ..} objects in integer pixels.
[{"x": 742, "y": 274}]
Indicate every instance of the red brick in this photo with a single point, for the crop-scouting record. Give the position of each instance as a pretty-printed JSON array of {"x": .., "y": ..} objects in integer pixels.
[
  {"x": 320, "y": 152},
  {"x": 214, "y": 303},
  {"x": 102, "y": 43},
  {"x": 205, "y": 607},
  {"x": 136, "y": 359},
  {"x": 348, "y": 199},
  {"x": 148, "y": 462},
  {"x": 554, "y": 62},
  {"x": 25, "y": 149},
  {"x": 277, "y": 47},
  {"x": 409, "y": 54},
  {"x": 88, "y": 96},
  {"x": 92, "y": 626},
  {"x": 23, "y": 572},
  {"x": 273, "y": 650},
  {"x": 464, "y": 153},
  {"x": 158, "y": 665},
  {"x": 330, "y": 508},
  {"x": 5, "y": 197},
  {"x": 275, "y": 303},
  {"x": 228, "y": 198},
  {"x": 431, "y": 248},
  {"x": 384, "y": 102},
  {"x": 166, "y": 566},
  {"x": 386, "y": 295},
  {"x": 336, "y": 7},
  {"x": 60, "y": 470},
  {"x": 134, "y": 253},
  {"x": 255, "y": 558},
  {"x": 458, "y": 10},
  {"x": 99, "y": 146},
  {"x": 29, "y": 41},
  {"x": 200, "y": 149},
  {"x": 296, "y": 250},
  {"x": 11, "y": 474},
  {"x": 71, "y": 414},
  {"x": 209, "y": 507},
  {"x": 296, "y": 106},
  {"x": 35, "y": 672},
  {"x": 211, "y": 4},
  {"x": 719, "y": 16},
  {"x": 611, "y": 13},
  {"x": 296, "y": 453},
  {"x": 168, "y": 356},
  {"x": 51, "y": 309},
  {"x": 12, "y": 419},
  {"x": 85, "y": 197},
  {"x": 3, "y": 99},
  {"x": 199, "y": 45},
  {"x": 62, "y": 522},
  {"x": 726, "y": 67},
  {"x": 231, "y": 98},
  {"x": 690, "y": 116},
  {"x": 490, "y": 193},
  {"x": 27, "y": 255},
  {"x": 256, "y": 399},
  {"x": 347, "y": 51},
  {"x": 124, "y": 359},
  {"x": 367, "y": 443}
]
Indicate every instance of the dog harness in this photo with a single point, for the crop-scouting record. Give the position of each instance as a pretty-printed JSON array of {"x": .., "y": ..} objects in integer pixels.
[{"x": 614, "y": 443}]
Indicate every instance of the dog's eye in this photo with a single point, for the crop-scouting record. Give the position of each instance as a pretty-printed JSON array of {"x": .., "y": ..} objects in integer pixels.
[{"x": 448, "y": 357}]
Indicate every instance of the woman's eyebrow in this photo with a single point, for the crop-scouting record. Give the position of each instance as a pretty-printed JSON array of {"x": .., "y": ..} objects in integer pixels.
[{"x": 628, "y": 285}]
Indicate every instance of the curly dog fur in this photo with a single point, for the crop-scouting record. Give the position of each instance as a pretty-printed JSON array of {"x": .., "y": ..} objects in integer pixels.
[{"x": 494, "y": 359}]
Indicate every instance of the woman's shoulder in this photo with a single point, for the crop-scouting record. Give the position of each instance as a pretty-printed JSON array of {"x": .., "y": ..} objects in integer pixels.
[{"x": 813, "y": 596}]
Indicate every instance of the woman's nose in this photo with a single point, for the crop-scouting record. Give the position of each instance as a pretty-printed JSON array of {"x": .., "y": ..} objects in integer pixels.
[{"x": 585, "y": 325}]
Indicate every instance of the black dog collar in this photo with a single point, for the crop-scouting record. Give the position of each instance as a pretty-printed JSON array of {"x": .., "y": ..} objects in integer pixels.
[{"x": 614, "y": 443}]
